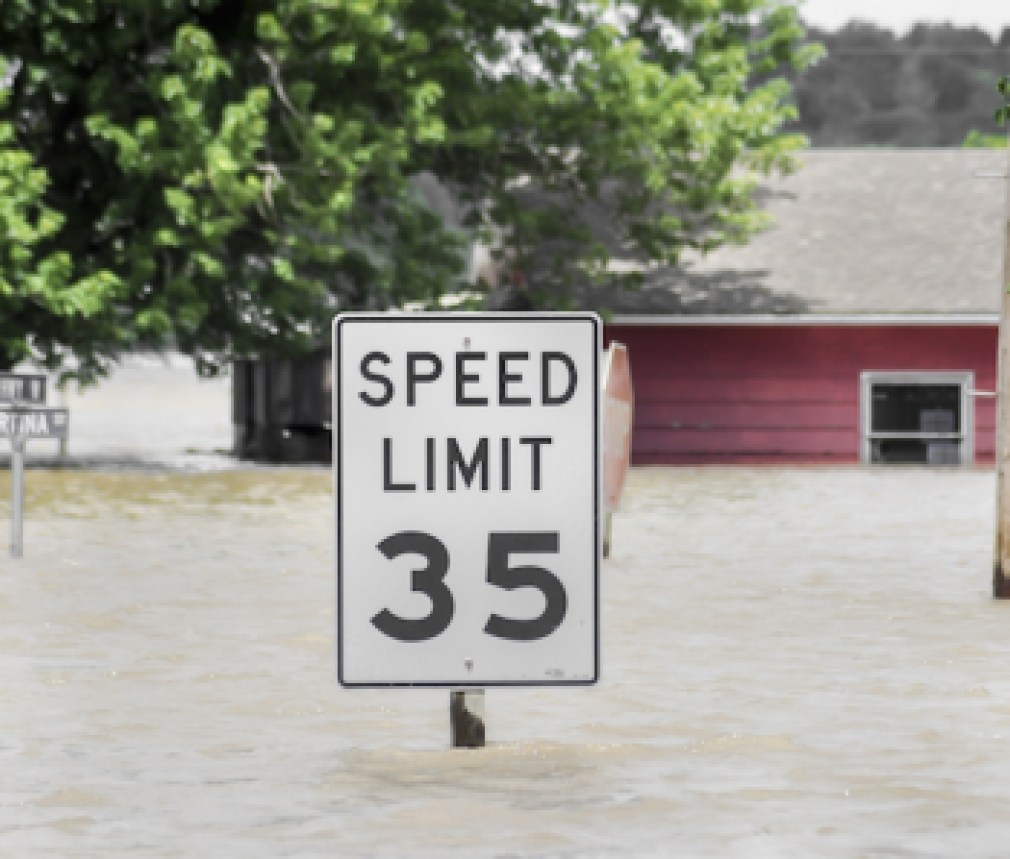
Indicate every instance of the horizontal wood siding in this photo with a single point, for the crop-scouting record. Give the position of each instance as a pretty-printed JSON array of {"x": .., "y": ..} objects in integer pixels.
[{"x": 782, "y": 394}]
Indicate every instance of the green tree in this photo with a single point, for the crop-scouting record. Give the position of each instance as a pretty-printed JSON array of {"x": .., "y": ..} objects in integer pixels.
[
  {"x": 929, "y": 87},
  {"x": 221, "y": 176}
]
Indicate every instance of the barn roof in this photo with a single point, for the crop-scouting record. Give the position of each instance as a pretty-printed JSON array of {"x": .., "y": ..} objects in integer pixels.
[{"x": 854, "y": 232}]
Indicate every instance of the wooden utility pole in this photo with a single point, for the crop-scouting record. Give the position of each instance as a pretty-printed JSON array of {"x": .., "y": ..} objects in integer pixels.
[{"x": 1001, "y": 561}]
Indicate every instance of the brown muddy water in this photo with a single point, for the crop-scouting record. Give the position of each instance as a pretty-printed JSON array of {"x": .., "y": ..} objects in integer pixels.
[{"x": 796, "y": 663}]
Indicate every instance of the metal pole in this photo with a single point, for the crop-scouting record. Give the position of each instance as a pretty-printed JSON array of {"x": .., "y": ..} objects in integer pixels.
[
  {"x": 63, "y": 442},
  {"x": 1001, "y": 561},
  {"x": 17, "y": 494},
  {"x": 466, "y": 718}
]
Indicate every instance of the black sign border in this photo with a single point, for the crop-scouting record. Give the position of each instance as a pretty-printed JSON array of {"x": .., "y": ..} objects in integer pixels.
[{"x": 359, "y": 317}]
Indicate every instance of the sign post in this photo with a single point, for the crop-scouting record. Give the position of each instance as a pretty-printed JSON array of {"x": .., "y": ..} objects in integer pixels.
[
  {"x": 466, "y": 455},
  {"x": 1001, "y": 561},
  {"x": 19, "y": 423},
  {"x": 17, "y": 496}
]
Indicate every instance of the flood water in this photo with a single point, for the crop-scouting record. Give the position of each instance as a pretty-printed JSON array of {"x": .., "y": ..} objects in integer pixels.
[{"x": 796, "y": 663}]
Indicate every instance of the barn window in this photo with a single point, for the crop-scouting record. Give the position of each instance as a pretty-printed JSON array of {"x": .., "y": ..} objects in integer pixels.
[{"x": 917, "y": 418}]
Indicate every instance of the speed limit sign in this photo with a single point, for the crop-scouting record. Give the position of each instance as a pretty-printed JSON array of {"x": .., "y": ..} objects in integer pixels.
[{"x": 467, "y": 486}]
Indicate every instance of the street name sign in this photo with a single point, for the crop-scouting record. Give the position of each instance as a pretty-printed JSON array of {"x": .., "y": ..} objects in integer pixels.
[
  {"x": 19, "y": 422},
  {"x": 17, "y": 387},
  {"x": 466, "y": 455},
  {"x": 34, "y": 423}
]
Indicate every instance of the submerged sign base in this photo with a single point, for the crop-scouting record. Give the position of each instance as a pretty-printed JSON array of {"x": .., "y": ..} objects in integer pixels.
[{"x": 467, "y": 487}]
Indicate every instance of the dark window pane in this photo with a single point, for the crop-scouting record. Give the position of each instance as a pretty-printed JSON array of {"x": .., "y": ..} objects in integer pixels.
[
  {"x": 906, "y": 407},
  {"x": 900, "y": 451}
]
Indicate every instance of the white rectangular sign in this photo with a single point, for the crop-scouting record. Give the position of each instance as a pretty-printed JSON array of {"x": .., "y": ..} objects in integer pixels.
[
  {"x": 466, "y": 454},
  {"x": 34, "y": 423},
  {"x": 17, "y": 387}
]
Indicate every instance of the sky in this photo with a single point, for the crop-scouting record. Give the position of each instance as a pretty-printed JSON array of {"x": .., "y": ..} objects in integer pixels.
[{"x": 899, "y": 15}]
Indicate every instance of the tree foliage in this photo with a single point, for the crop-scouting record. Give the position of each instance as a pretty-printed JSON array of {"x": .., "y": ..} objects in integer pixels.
[
  {"x": 931, "y": 87},
  {"x": 221, "y": 176},
  {"x": 1002, "y": 114}
]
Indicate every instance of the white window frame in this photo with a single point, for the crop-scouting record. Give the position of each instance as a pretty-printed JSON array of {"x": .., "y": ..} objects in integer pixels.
[{"x": 965, "y": 379}]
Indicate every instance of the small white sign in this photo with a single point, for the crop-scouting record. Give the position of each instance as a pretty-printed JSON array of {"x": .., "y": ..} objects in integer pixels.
[
  {"x": 466, "y": 452},
  {"x": 17, "y": 387},
  {"x": 34, "y": 423}
]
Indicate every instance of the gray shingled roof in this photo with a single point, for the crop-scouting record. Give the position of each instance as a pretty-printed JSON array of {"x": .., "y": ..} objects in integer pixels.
[{"x": 855, "y": 231}]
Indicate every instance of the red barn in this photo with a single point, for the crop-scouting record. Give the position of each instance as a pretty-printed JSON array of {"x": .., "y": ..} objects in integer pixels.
[{"x": 860, "y": 327}]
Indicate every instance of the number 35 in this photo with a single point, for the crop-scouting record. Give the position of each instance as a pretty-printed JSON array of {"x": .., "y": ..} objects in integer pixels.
[{"x": 430, "y": 581}]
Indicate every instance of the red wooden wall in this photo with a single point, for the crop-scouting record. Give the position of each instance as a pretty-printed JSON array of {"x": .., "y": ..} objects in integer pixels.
[{"x": 782, "y": 393}]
